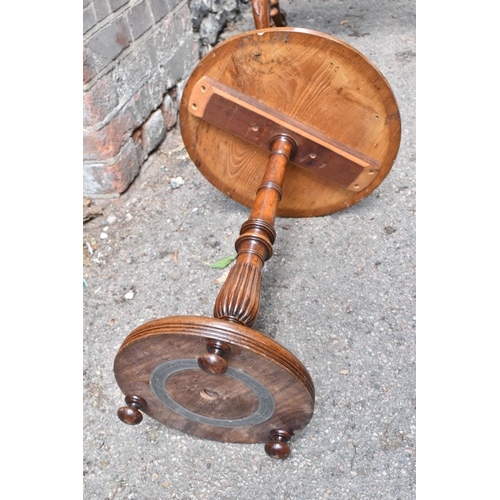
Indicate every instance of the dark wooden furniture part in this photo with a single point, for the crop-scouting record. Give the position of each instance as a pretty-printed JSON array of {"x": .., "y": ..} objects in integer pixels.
[{"x": 289, "y": 122}]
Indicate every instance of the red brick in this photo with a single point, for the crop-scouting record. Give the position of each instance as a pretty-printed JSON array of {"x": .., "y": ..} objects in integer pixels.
[
  {"x": 105, "y": 143},
  {"x": 139, "y": 19},
  {"x": 126, "y": 168},
  {"x": 116, "y": 176},
  {"x": 99, "y": 101},
  {"x": 169, "y": 111},
  {"x": 88, "y": 66},
  {"x": 106, "y": 44},
  {"x": 116, "y": 4},
  {"x": 153, "y": 131}
]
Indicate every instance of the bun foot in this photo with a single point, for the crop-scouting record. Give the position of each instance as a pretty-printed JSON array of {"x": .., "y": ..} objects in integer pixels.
[
  {"x": 213, "y": 361},
  {"x": 130, "y": 414},
  {"x": 277, "y": 448}
]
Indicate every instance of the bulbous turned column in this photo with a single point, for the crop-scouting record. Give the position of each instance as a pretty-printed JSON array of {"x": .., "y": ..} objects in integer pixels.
[{"x": 239, "y": 298}]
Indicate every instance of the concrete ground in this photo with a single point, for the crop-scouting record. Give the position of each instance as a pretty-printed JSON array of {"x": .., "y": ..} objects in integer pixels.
[{"x": 339, "y": 293}]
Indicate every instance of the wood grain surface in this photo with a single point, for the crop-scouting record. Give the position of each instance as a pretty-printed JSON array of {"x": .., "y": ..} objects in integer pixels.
[
  {"x": 257, "y": 123},
  {"x": 313, "y": 78},
  {"x": 216, "y": 396}
]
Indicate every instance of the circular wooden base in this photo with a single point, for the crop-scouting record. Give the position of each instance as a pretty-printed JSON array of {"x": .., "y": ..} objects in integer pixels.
[
  {"x": 311, "y": 77},
  {"x": 265, "y": 387}
]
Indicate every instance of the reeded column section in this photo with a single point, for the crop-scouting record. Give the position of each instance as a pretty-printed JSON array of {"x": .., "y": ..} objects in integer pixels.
[{"x": 239, "y": 298}]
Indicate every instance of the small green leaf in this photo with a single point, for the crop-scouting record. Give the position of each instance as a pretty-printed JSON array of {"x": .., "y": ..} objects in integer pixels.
[{"x": 221, "y": 264}]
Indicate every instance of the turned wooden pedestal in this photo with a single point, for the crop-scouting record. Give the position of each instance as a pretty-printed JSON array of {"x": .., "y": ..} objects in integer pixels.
[{"x": 288, "y": 122}]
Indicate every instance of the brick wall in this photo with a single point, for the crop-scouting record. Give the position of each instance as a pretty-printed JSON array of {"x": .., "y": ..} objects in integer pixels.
[{"x": 137, "y": 55}]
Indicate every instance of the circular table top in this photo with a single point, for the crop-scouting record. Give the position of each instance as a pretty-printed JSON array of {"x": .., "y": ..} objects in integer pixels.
[{"x": 314, "y": 79}]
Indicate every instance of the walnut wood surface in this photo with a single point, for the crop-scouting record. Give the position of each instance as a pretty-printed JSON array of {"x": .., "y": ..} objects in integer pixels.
[
  {"x": 213, "y": 361},
  {"x": 277, "y": 447},
  {"x": 239, "y": 298},
  {"x": 217, "y": 396},
  {"x": 261, "y": 13},
  {"x": 313, "y": 78},
  {"x": 130, "y": 414}
]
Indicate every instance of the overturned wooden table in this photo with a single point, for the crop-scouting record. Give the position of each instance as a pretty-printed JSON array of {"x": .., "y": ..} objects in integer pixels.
[{"x": 291, "y": 123}]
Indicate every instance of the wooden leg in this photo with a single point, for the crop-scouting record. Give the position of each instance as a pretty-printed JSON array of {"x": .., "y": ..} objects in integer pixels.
[
  {"x": 130, "y": 414},
  {"x": 267, "y": 13},
  {"x": 277, "y": 14},
  {"x": 239, "y": 298},
  {"x": 278, "y": 447},
  {"x": 261, "y": 13}
]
